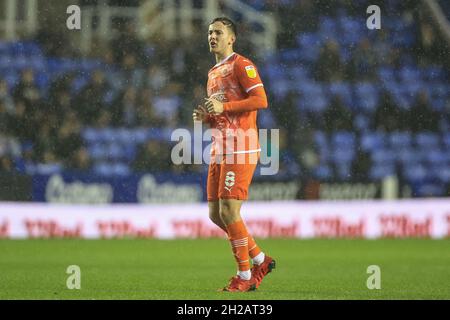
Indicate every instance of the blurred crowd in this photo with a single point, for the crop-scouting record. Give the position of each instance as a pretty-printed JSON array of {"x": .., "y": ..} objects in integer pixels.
[{"x": 157, "y": 85}]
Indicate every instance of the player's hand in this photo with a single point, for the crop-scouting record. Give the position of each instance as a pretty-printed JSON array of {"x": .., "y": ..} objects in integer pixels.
[
  {"x": 213, "y": 106},
  {"x": 200, "y": 114}
]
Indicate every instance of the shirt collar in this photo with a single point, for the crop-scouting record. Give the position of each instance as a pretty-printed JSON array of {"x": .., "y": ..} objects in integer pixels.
[{"x": 221, "y": 62}]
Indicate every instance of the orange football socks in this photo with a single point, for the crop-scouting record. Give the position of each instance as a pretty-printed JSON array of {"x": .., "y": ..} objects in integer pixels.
[
  {"x": 238, "y": 235},
  {"x": 253, "y": 249}
]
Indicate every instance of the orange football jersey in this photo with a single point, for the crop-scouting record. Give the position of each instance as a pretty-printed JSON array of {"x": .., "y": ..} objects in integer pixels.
[{"x": 231, "y": 80}]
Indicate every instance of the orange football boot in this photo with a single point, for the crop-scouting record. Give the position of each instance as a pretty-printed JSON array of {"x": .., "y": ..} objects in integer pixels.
[
  {"x": 237, "y": 284},
  {"x": 261, "y": 270}
]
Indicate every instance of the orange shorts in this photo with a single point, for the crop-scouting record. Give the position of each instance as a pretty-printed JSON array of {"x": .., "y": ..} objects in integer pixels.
[{"x": 230, "y": 180}]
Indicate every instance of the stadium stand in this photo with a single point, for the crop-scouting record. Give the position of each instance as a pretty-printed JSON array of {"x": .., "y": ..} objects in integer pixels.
[{"x": 375, "y": 103}]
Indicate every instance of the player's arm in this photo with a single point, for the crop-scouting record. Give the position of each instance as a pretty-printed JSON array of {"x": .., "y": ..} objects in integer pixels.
[
  {"x": 257, "y": 99},
  {"x": 249, "y": 79}
]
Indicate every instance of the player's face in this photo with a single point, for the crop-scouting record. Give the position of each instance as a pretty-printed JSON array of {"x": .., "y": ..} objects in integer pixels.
[{"x": 220, "y": 38}]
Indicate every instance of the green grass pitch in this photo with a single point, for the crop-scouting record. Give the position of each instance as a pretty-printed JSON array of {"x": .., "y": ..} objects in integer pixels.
[{"x": 195, "y": 269}]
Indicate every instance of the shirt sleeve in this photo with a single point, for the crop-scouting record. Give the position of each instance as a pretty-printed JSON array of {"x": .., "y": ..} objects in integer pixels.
[
  {"x": 249, "y": 79},
  {"x": 247, "y": 74}
]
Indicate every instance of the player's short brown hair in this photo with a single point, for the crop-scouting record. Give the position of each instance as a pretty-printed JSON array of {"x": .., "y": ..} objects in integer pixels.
[{"x": 227, "y": 22}]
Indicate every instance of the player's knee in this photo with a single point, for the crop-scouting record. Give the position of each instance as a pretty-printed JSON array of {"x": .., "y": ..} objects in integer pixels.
[
  {"x": 228, "y": 213},
  {"x": 215, "y": 217}
]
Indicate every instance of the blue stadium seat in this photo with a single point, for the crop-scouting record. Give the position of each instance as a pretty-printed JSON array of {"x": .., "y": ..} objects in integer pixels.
[
  {"x": 19, "y": 62},
  {"x": 121, "y": 169},
  {"x": 166, "y": 134},
  {"x": 438, "y": 104},
  {"x": 446, "y": 140},
  {"x": 25, "y": 48},
  {"x": 415, "y": 172},
  {"x": 98, "y": 151},
  {"x": 57, "y": 66},
  {"x": 328, "y": 26},
  {"x": 310, "y": 45},
  {"x": 48, "y": 168},
  {"x": 362, "y": 123},
  {"x": 421, "y": 154},
  {"x": 367, "y": 96},
  {"x": 380, "y": 171},
  {"x": 442, "y": 173},
  {"x": 37, "y": 64},
  {"x": 103, "y": 169},
  {"x": 289, "y": 163},
  {"x": 437, "y": 158},
  {"x": 12, "y": 78},
  {"x": 290, "y": 55},
  {"x": 323, "y": 172},
  {"x": 108, "y": 135},
  {"x": 434, "y": 73},
  {"x": 308, "y": 39},
  {"x": 280, "y": 88},
  {"x": 42, "y": 80},
  {"x": 413, "y": 88},
  {"x": 111, "y": 169},
  {"x": 129, "y": 152},
  {"x": 5, "y": 61},
  {"x": 79, "y": 83},
  {"x": 403, "y": 39},
  {"x": 341, "y": 155},
  {"x": 125, "y": 136},
  {"x": 115, "y": 151},
  {"x": 89, "y": 65},
  {"x": 298, "y": 73},
  {"x": 399, "y": 94},
  {"x": 273, "y": 72},
  {"x": 394, "y": 24},
  {"x": 408, "y": 155},
  {"x": 352, "y": 30},
  {"x": 346, "y": 54},
  {"x": 444, "y": 125},
  {"x": 321, "y": 143},
  {"x": 400, "y": 140},
  {"x": 343, "y": 90},
  {"x": 427, "y": 140},
  {"x": 313, "y": 97},
  {"x": 4, "y": 48},
  {"x": 155, "y": 134},
  {"x": 410, "y": 74},
  {"x": 266, "y": 120},
  {"x": 383, "y": 157},
  {"x": 372, "y": 141},
  {"x": 326, "y": 155},
  {"x": 440, "y": 89},
  {"x": 343, "y": 139},
  {"x": 321, "y": 140},
  {"x": 140, "y": 135},
  {"x": 386, "y": 74},
  {"x": 91, "y": 135},
  {"x": 430, "y": 189}
]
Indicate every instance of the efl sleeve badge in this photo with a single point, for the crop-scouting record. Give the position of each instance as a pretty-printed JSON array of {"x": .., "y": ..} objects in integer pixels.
[{"x": 251, "y": 71}]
